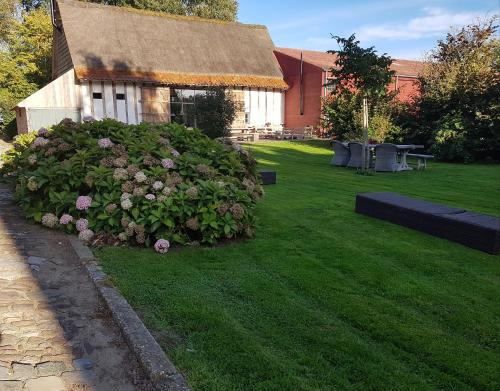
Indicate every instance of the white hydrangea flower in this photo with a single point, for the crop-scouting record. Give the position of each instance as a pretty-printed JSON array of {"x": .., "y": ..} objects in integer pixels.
[
  {"x": 86, "y": 235},
  {"x": 140, "y": 177},
  {"x": 158, "y": 185},
  {"x": 125, "y": 196},
  {"x": 126, "y": 204}
]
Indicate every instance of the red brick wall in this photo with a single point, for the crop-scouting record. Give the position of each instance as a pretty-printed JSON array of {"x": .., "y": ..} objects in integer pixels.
[
  {"x": 313, "y": 79},
  {"x": 313, "y": 84},
  {"x": 407, "y": 87}
]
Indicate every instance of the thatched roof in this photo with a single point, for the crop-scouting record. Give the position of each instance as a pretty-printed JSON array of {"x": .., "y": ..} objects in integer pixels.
[
  {"x": 326, "y": 61},
  {"x": 122, "y": 44}
]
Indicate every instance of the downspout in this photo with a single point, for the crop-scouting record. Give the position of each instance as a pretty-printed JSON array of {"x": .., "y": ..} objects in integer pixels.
[
  {"x": 301, "y": 94},
  {"x": 52, "y": 15}
]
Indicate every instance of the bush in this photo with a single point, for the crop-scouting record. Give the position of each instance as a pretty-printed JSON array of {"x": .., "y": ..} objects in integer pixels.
[
  {"x": 458, "y": 109},
  {"x": 450, "y": 139},
  {"x": 342, "y": 116},
  {"x": 215, "y": 112},
  {"x": 140, "y": 184}
]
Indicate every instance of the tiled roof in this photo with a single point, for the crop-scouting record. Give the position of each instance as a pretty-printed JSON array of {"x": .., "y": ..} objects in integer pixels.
[{"x": 326, "y": 60}]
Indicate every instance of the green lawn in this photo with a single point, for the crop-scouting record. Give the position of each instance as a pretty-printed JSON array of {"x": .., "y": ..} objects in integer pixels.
[{"x": 324, "y": 298}]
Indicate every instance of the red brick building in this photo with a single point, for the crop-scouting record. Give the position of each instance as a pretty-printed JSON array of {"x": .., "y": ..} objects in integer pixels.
[{"x": 306, "y": 72}]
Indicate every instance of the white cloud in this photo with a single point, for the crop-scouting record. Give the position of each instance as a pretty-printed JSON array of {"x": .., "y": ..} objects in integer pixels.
[{"x": 434, "y": 22}]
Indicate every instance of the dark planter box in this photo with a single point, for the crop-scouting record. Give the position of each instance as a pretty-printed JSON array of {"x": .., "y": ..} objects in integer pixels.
[
  {"x": 475, "y": 230},
  {"x": 268, "y": 177}
]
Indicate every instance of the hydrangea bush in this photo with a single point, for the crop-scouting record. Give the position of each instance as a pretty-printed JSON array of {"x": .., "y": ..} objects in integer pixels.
[{"x": 150, "y": 185}]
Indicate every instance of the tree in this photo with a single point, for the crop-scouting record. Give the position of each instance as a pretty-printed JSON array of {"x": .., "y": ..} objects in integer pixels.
[
  {"x": 211, "y": 9},
  {"x": 342, "y": 116},
  {"x": 25, "y": 59},
  {"x": 363, "y": 71},
  {"x": 215, "y": 112},
  {"x": 459, "y": 115}
]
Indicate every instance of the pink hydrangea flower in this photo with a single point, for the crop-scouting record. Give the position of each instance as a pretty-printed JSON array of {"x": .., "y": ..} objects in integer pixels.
[
  {"x": 167, "y": 163},
  {"x": 82, "y": 225},
  {"x": 150, "y": 197},
  {"x": 40, "y": 142},
  {"x": 65, "y": 219},
  {"x": 83, "y": 202},
  {"x": 105, "y": 143},
  {"x": 174, "y": 152},
  {"x": 42, "y": 132},
  {"x": 161, "y": 246}
]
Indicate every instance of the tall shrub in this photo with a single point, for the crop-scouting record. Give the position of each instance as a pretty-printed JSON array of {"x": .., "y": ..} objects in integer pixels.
[
  {"x": 25, "y": 59},
  {"x": 342, "y": 116},
  {"x": 215, "y": 112},
  {"x": 459, "y": 111},
  {"x": 359, "y": 75}
]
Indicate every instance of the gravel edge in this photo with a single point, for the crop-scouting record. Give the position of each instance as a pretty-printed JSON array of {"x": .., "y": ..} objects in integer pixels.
[{"x": 162, "y": 373}]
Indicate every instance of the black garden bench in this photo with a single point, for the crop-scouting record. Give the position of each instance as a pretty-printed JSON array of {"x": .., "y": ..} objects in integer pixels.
[{"x": 472, "y": 229}]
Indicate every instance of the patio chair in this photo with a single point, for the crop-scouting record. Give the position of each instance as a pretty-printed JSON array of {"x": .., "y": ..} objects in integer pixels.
[
  {"x": 341, "y": 154},
  {"x": 356, "y": 159},
  {"x": 386, "y": 157}
]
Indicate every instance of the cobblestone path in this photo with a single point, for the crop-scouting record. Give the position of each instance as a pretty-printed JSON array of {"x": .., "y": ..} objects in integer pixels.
[{"x": 53, "y": 334}]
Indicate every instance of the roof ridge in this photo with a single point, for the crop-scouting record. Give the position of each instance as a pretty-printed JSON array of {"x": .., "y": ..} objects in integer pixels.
[{"x": 161, "y": 14}]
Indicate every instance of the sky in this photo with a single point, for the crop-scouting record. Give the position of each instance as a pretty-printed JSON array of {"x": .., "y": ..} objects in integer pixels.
[{"x": 404, "y": 29}]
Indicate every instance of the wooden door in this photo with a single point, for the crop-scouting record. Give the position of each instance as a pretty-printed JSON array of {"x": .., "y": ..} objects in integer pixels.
[{"x": 155, "y": 104}]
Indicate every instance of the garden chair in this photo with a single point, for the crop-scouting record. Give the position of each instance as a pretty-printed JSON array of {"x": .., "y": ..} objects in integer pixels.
[
  {"x": 356, "y": 158},
  {"x": 386, "y": 157},
  {"x": 341, "y": 154}
]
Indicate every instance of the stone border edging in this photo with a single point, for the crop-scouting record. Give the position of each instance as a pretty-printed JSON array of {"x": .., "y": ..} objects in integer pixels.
[{"x": 150, "y": 355}]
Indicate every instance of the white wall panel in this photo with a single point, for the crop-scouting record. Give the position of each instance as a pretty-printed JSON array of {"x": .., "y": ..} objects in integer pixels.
[
  {"x": 59, "y": 93},
  {"x": 265, "y": 106},
  {"x": 282, "y": 107},
  {"x": 121, "y": 104},
  {"x": 262, "y": 108},
  {"x": 109, "y": 100},
  {"x": 131, "y": 103},
  {"x": 97, "y": 104},
  {"x": 246, "y": 94},
  {"x": 269, "y": 107},
  {"x": 254, "y": 107},
  {"x": 278, "y": 118},
  {"x": 86, "y": 100}
]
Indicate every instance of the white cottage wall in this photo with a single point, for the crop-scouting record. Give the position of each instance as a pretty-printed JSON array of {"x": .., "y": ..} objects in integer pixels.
[{"x": 264, "y": 107}]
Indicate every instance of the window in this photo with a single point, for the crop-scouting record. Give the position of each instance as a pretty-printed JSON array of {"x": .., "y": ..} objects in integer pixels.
[
  {"x": 120, "y": 96},
  {"x": 183, "y": 106},
  {"x": 329, "y": 88},
  {"x": 97, "y": 95}
]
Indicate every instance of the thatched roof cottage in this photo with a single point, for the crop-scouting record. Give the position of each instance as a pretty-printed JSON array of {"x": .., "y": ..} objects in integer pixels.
[{"x": 136, "y": 66}]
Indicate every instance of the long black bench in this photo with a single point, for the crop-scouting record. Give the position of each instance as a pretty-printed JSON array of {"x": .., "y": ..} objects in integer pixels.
[{"x": 472, "y": 229}]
